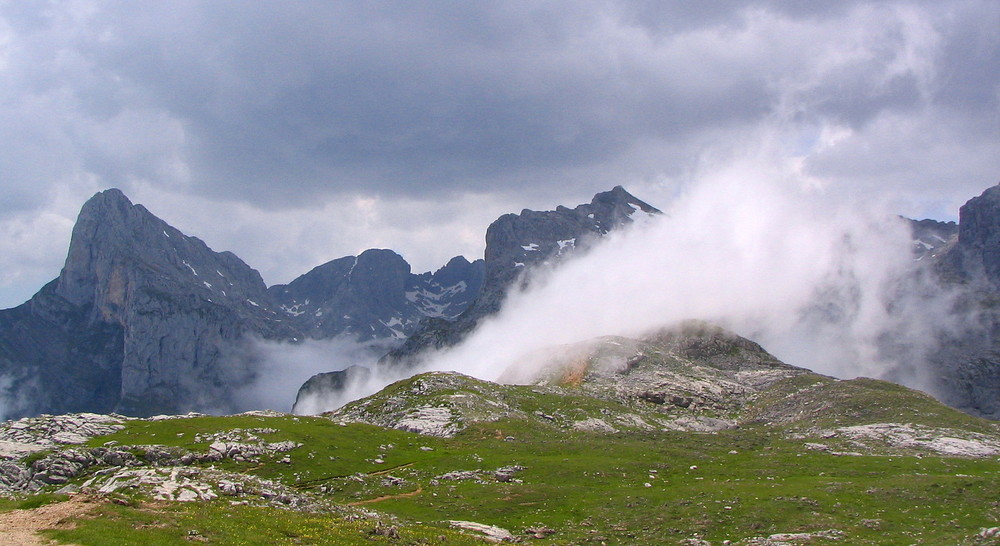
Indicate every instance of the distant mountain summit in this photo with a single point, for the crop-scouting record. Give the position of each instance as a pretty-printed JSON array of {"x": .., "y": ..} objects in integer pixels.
[
  {"x": 374, "y": 296},
  {"x": 516, "y": 243},
  {"x": 142, "y": 319}
]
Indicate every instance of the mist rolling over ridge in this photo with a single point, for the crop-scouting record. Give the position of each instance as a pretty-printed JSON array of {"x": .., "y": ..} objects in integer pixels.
[{"x": 820, "y": 279}]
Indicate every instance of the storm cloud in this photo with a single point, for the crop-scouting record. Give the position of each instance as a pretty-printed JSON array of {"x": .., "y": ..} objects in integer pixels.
[{"x": 294, "y": 133}]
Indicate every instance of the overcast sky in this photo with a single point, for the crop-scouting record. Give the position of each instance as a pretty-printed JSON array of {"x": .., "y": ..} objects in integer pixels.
[{"x": 293, "y": 133}]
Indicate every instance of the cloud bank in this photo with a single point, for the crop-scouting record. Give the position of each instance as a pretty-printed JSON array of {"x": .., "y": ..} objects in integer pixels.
[
  {"x": 283, "y": 367},
  {"x": 822, "y": 280}
]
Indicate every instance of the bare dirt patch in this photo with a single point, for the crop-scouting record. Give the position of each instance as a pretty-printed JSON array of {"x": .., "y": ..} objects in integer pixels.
[
  {"x": 387, "y": 497},
  {"x": 20, "y": 527}
]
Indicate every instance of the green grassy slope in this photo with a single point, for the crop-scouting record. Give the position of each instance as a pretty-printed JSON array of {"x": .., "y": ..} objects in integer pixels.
[{"x": 849, "y": 462}]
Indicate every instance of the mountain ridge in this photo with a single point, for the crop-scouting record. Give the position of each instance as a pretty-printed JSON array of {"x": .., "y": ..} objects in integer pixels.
[
  {"x": 134, "y": 277},
  {"x": 516, "y": 244},
  {"x": 375, "y": 296},
  {"x": 517, "y": 247},
  {"x": 144, "y": 319}
]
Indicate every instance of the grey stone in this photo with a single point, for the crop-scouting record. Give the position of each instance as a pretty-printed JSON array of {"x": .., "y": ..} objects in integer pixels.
[{"x": 321, "y": 384}]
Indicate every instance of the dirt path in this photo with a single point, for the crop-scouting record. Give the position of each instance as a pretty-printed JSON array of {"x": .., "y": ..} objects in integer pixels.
[
  {"x": 20, "y": 527},
  {"x": 388, "y": 470},
  {"x": 387, "y": 497}
]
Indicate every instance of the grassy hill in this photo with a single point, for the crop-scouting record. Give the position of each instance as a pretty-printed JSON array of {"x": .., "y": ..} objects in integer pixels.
[{"x": 679, "y": 438}]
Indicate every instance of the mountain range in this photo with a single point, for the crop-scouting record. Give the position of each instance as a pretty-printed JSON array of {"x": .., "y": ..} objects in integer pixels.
[{"x": 145, "y": 320}]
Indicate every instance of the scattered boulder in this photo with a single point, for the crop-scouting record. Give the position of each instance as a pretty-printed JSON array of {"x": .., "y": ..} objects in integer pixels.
[
  {"x": 911, "y": 437},
  {"x": 507, "y": 473},
  {"x": 491, "y": 533},
  {"x": 459, "y": 475},
  {"x": 30, "y": 434},
  {"x": 594, "y": 424},
  {"x": 539, "y": 531}
]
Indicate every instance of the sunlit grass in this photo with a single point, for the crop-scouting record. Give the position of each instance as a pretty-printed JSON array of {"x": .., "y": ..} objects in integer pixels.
[{"x": 622, "y": 488}]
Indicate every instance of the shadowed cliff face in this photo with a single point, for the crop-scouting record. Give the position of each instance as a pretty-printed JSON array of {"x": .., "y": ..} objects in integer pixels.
[
  {"x": 975, "y": 256},
  {"x": 54, "y": 359},
  {"x": 141, "y": 320},
  {"x": 966, "y": 364}
]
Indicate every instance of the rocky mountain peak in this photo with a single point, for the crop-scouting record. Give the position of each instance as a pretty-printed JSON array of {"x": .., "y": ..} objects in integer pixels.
[
  {"x": 107, "y": 224},
  {"x": 517, "y": 244},
  {"x": 615, "y": 207},
  {"x": 117, "y": 247},
  {"x": 151, "y": 320},
  {"x": 379, "y": 276},
  {"x": 456, "y": 270},
  {"x": 979, "y": 232}
]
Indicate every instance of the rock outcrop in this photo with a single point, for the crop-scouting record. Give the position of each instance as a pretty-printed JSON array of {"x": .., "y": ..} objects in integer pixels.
[
  {"x": 311, "y": 396},
  {"x": 169, "y": 473}
]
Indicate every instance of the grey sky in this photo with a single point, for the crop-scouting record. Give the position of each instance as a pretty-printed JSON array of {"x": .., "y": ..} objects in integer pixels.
[{"x": 293, "y": 133}]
